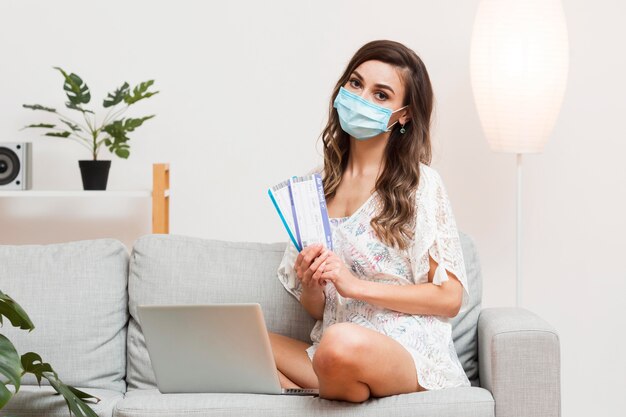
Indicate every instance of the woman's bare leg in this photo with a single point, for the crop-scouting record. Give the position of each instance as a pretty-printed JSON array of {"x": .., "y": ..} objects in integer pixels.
[
  {"x": 355, "y": 363},
  {"x": 286, "y": 382},
  {"x": 293, "y": 362}
]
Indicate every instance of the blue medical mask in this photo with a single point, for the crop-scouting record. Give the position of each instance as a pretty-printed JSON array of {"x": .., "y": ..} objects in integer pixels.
[{"x": 361, "y": 118}]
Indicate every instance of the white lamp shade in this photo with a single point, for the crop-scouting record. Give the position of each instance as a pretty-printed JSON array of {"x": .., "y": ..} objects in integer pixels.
[{"x": 519, "y": 62}]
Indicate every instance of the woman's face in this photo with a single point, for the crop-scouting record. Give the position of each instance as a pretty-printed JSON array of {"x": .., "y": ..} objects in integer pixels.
[{"x": 381, "y": 84}]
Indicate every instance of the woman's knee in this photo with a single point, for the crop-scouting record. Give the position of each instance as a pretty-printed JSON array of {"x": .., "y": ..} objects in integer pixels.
[{"x": 341, "y": 350}]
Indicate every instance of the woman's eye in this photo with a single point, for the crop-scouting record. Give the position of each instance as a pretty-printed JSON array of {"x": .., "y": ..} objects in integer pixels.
[
  {"x": 382, "y": 96},
  {"x": 354, "y": 81}
]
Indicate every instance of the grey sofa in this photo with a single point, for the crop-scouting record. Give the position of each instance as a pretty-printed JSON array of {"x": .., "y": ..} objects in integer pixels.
[{"x": 83, "y": 297}]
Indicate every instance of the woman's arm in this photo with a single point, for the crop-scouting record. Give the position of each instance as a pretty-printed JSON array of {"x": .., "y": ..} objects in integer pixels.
[
  {"x": 313, "y": 300},
  {"x": 427, "y": 298},
  {"x": 306, "y": 266}
]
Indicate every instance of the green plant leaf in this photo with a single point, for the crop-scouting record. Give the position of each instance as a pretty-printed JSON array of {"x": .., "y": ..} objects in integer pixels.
[
  {"x": 72, "y": 126},
  {"x": 122, "y": 152},
  {"x": 10, "y": 368},
  {"x": 81, "y": 394},
  {"x": 75, "y": 88},
  {"x": 132, "y": 124},
  {"x": 73, "y": 106},
  {"x": 5, "y": 394},
  {"x": 140, "y": 92},
  {"x": 14, "y": 312},
  {"x": 47, "y": 125},
  {"x": 59, "y": 134},
  {"x": 74, "y": 402},
  {"x": 39, "y": 107},
  {"x": 37, "y": 369},
  {"x": 32, "y": 363},
  {"x": 116, "y": 97},
  {"x": 117, "y": 130}
]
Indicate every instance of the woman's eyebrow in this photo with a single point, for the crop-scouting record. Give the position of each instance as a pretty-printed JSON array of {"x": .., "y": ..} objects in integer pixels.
[{"x": 375, "y": 85}]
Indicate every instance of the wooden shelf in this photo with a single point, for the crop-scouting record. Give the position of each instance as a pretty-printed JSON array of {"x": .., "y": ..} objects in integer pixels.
[
  {"x": 160, "y": 195},
  {"x": 76, "y": 193}
]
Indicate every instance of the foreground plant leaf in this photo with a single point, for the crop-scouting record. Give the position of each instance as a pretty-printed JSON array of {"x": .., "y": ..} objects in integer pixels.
[
  {"x": 14, "y": 312},
  {"x": 10, "y": 369},
  {"x": 33, "y": 364}
]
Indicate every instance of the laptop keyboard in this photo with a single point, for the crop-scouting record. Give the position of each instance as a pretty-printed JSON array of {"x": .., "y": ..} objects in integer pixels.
[{"x": 301, "y": 391}]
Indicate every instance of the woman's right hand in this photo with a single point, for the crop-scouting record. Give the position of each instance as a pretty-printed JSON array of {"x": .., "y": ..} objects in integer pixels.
[{"x": 307, "y": 263}]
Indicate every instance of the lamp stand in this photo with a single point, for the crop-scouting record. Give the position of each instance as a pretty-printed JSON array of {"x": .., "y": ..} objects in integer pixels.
[{"x": 518, "y": 255}]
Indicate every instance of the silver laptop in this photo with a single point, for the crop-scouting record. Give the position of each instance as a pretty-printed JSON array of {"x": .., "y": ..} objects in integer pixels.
[{"x": 211, "y": 348}]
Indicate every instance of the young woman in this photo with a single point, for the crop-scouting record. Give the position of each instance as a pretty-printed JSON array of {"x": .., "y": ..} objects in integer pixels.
[{"x": 384, "y": 295}]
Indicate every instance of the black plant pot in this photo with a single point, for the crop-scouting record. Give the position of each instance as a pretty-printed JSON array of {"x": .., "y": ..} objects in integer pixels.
[{"x": 95, "y": 174}]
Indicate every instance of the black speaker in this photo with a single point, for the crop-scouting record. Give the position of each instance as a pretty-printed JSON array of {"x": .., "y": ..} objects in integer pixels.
[{"x": 15, "y": 165}]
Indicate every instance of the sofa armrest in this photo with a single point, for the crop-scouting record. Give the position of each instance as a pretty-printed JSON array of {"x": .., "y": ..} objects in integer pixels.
[{"x": 519, "y": 362}]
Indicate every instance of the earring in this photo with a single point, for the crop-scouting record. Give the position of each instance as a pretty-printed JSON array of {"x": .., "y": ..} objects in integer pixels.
[{"x": 402, "y": 129}]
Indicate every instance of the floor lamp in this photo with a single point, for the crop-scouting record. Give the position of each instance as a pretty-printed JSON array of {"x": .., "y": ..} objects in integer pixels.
[{"x": 519, "y": 61}]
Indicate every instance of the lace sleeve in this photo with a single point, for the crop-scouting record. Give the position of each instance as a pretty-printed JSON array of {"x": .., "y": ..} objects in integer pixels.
[
  {"x": 287, "y": 273},
  {"x": 446, "y": 249}
]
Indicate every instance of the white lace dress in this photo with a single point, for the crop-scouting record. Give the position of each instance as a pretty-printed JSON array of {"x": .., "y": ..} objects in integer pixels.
[{"x": 428, "y": 338}]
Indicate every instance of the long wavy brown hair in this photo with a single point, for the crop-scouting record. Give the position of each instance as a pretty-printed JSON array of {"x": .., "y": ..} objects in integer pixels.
[{"x": 394, "y": 223}]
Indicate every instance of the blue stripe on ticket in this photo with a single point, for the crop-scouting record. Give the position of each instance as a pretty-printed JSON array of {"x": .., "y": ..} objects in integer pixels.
[
  {"x": 282, "y": 218},
  {"x": 295, "y": 217}
]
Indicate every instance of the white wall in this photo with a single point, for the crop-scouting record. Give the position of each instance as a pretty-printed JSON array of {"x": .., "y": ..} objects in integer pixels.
[{"x": 245, "y": 87}]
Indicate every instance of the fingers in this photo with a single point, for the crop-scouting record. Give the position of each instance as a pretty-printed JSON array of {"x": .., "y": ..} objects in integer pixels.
[
  {"x": 330, "y": 270},
  {"x": 309, "y": 277},
  {"x": 320, "y": 269},
  {"x": 313, "y": 262},
  {"x": 299, "y": 264},
  {"x": 304, "y": 258},
  {"x": 318, "y": 261},
  {"x": 308, "y": 254}
]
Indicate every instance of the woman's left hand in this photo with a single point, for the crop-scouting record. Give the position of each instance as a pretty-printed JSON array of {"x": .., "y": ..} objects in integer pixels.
[{"x": 335, "y": 270}]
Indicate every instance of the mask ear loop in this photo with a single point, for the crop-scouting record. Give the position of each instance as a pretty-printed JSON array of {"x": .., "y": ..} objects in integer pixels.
[{"x": 402, "y": 130}]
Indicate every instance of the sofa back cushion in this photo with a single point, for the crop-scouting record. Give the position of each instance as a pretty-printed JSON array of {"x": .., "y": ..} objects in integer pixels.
[
  {"x": 174, "y": 269},
  {"x": 465, "y": 326},
  {"x": 75, "y": 294}
]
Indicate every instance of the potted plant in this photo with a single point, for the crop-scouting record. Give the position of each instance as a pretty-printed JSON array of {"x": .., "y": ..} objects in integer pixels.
[
  {"x": 13, "y": 367},
  {"x": 111, "y": 131}
]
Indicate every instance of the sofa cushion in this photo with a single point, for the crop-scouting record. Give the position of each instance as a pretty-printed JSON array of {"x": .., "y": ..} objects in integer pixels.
[
  {"x": 33, "y": 400},
  {"x": 465, "y": 326},
  {"x": 453, "y": 402},
  {"x": 75, "y": 294},
  {"x": 173, "y": 269}
]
